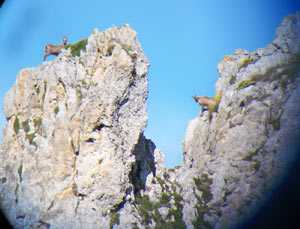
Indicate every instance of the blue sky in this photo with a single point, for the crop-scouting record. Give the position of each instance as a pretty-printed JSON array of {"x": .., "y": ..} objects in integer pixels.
[{"x": 183, "y": 40}]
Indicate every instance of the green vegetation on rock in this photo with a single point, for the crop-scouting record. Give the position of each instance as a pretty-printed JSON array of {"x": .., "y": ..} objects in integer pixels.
[
  {"x": 215, "y": 106},
  {"x": 37, "y": 122},
  {"x": 114, "y": 219},
  {"x": 77, "y": 47},
  {"x": 244, "y": 84},
  {"x": 172, "y": 200},
  {"x": 110, "y": 50},
  {"x": 250, "y": 155},
  {"x": 232, "y": 79},
  {"x": 56, "y": 110},
  {"x": 30, "y": 138},
  {"x": 202, "y": 184},
  {"x": 246, "y": 62},
  {"x": 26, "y": 126},
  {"x": 16, "y": 125},
  {"x": 20, "y": 171}
]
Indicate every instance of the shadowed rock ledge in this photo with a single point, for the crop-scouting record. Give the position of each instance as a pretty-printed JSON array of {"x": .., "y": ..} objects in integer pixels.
[{"x": 74, "y": 155}]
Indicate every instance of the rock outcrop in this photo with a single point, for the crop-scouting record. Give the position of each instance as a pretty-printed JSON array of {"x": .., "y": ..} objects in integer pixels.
[
  {"x": 252, "y": 141},
  {"x": 74, "y": 155},
  {"x": 68, "y": 151}
]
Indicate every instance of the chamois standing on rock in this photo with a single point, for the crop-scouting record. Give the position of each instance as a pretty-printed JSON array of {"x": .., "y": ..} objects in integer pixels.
[
  {"x": 205, "y": 102},
  {"x": 54, "y": 49}
]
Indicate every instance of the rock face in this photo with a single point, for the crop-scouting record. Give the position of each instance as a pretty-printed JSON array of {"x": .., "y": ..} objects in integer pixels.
[
  {"x": 74, "y": 155},
  {"x": 68, "y": 149},
  {"x": 252, "y": 139}
]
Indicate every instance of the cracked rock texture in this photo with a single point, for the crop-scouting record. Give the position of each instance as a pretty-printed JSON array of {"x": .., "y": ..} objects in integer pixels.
[
  {"x": 253, "y": 139},
  {"x": 68, "y": 147},
  {"x": 74, "y": 155}
]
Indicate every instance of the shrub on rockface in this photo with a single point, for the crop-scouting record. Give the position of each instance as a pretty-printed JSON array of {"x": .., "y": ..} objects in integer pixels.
[
  {"x": 215, "y": 106},
  {"x": 217, "y": 101},
  {"x": 170, "y": 199},
  {"x": 244, "y": 84},
  {"x": 246, "y": 62},
  {"x": 77, "y": 47}
]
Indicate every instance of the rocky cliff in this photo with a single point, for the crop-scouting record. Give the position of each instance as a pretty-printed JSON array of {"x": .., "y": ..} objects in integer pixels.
[
  {"x": 251, "y": 142},
  {"x": 74, "y": 155},
  {"x": 68, "y": 152}
]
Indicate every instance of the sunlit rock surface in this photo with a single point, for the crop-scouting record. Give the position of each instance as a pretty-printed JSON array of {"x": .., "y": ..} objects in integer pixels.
[
  {"x": 74, "y": 155},
  {"x": 67, "y": 153}
]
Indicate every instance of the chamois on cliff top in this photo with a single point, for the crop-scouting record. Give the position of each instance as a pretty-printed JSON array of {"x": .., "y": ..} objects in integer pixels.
[
  {"x": 54, "y": 49},
  {"x": 205, "y": 102}
]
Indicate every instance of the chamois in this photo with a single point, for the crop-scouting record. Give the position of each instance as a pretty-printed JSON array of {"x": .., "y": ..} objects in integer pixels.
[
  {"x": 205, "y": 102},
  {"x": 54, "y": 49}
]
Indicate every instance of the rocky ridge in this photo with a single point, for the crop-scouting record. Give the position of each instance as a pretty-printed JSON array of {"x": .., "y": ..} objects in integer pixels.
[
  {"x": 251, "y": 142},
  {"x": 74, "y": 155},
  {"x": 67, "y": 155}
]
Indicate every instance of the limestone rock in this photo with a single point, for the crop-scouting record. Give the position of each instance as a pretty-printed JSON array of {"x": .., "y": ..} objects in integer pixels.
[
  {"x": 74, "y": 155},
  {"x": 73, "y": 123},
  {"x": 250, "y": 143}
]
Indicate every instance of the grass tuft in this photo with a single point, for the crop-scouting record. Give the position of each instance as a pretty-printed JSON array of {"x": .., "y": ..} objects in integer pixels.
[
  {"x": 246, "y": 62},
  {"x": 244, "y": 84},
  {"x": 110, "y": 50},
  {"x": 26, "y": 126},
  {"x": 115, "y": 219},
  {"x": 77, "y": 47},
  {"x": 30, "y": 138},
  {"x": 56, "y": 110},
  {"x": 16, "y": 125}
]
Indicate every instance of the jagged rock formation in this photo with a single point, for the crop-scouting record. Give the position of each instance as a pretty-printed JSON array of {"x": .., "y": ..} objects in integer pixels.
[
  {"x": 68, "y": 151},
  {"x": 233, "y": 158},
  {"x": 73, "y": 152},
  {"x": 252, "y": 141}
]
